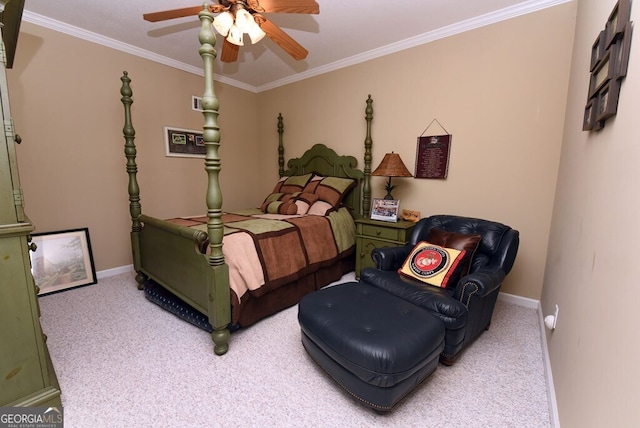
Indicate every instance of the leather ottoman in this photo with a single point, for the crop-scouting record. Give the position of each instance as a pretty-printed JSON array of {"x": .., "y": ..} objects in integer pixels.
[{"x": 376, "y": 346}]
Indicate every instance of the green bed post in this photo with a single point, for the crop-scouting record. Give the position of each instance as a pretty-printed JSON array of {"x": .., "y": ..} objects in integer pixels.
[
  {"x": 219, "y": 294},
  {"x": 132, "y": 169},
  {"x": 366, "y": 188},
  {"x": 280, "y": 146}
]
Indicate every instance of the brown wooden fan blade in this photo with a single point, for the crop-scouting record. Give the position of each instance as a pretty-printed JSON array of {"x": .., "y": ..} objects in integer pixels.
[
  {"x": 172, "y": 14},
  {"x": 290, "y": 6},
  {"x": 284, "y": 40},
  {"x": 229, "y": 51}
]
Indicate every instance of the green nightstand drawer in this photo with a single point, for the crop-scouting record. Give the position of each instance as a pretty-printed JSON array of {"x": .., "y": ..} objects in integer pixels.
[{"x": 378, "y": 232}]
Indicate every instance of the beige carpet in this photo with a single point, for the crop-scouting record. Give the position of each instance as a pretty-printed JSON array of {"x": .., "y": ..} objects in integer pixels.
[{"x": 122, "y": 361}]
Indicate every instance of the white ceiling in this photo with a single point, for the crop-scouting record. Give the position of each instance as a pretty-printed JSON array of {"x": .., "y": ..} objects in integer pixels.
[{"x": 344, "y": 33}]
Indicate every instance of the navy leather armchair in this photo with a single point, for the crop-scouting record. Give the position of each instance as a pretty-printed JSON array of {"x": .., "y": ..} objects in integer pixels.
[{"x": 466, "y": 307}]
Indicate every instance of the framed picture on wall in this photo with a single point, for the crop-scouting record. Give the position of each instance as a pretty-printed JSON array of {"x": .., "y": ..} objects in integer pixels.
[
  {"x": 180, "y": 142},
  {"x": 608, "y": 67}
]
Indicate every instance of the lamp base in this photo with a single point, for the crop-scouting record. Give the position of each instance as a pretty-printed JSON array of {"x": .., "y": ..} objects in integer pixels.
[{"x": 389, "y": 188}]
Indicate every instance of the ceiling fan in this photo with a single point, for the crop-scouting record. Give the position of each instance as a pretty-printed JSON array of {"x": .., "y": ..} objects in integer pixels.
[{"x": 237, "y": 17}]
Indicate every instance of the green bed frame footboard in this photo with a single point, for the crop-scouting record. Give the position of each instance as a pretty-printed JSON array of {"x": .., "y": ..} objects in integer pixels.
[{"x": 169, "y": 254}]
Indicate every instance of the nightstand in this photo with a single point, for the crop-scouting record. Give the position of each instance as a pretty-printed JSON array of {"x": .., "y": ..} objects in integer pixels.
[{"x": 372, "y": 234}]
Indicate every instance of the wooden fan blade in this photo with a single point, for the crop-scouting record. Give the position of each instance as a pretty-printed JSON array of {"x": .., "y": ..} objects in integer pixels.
[
  {"x": 229, "y": 51},
  {"x": 290, "y": 6},
  {"x": 284, "y": 40},
  {"x": 172, "y": 14}
]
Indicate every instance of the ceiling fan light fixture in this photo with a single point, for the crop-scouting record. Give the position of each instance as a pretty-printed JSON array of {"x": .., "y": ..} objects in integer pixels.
[
  {"x": 256, "y": 33},
  {"x": 235, "y": 35},
  {"x": 223, "y": 22},
  {"x": 244, "y": 20}
]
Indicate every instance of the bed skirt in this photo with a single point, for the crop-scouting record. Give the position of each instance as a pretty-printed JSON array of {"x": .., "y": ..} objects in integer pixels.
[{"x": 253, "y": 309}]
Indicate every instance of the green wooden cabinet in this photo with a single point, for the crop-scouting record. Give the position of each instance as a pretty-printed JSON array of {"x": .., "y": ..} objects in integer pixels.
[
  {"x": 27, "y": 377},
  {"x": 372, "y": 234}
]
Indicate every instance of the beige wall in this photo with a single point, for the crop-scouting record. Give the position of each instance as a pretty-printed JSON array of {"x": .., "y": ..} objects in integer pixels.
[
  {"x": 591, "y": 269},
  {"x": 501, "y": 97},
  {"x": 66, "y": 106},
  {"x": 499, "y": 90}
]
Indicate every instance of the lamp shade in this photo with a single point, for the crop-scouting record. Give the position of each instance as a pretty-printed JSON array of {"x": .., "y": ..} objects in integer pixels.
[
  {"x": 392, "y": 166},
  {"x": 223, "y": 22},
  {"x": 243, "y": 20},
  {"x": 255, "y": 33},
  {"x": 235, "y": 35}
]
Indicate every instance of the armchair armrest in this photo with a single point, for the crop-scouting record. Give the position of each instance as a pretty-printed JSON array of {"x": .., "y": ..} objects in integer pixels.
[
  {"x": 390, "y": 258},
  {"x": 479, "y": 283},
  {"x": 434, "y": 299}
]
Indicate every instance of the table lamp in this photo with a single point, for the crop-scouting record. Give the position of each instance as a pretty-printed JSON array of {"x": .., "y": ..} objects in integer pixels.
[{"x": 391, "y": 166}]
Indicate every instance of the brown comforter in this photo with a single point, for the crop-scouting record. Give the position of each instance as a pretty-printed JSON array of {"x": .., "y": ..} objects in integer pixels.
[{"x": 266, "y": 251}]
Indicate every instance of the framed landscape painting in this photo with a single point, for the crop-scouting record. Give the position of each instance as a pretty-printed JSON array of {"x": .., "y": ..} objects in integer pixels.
[{"x": 62, "y": 260}]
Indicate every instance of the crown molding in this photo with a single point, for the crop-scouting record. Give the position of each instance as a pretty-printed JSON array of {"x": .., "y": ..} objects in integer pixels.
[
  {"x": 441, "y": 33},
  {"x": 523, "y": 8},
  {"x": 89, "y": 36}
]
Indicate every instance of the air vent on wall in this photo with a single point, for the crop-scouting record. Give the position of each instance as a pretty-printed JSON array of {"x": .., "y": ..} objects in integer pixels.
[{"x": 196, "y": 103}]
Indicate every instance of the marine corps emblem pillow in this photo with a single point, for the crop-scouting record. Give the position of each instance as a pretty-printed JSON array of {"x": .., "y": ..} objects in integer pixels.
[{"x": 433, "y": 264}]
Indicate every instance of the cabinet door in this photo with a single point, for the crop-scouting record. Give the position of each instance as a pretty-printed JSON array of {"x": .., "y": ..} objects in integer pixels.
[
  {"x": 7, "y": 204},
  {"x": 11, "y": 204},
  {"x": 22, "y": 355}
]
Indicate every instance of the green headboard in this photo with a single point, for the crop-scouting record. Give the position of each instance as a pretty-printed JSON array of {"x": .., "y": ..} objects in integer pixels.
[{"x": 325, "y": 161}]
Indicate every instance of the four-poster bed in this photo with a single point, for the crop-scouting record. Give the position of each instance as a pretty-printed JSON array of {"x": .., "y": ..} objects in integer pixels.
[{"x": 303, "y": 235}]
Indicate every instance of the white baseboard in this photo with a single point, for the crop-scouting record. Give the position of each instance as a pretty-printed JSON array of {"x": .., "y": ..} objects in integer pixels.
[
  {"x": 115, "y": 271},
  {"x": 551, "y": 391},
  {"x": 520, "y": 301}
]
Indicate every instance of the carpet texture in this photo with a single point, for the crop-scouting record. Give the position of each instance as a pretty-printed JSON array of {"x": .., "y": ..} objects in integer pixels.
[{"x": 122, "y": 361}]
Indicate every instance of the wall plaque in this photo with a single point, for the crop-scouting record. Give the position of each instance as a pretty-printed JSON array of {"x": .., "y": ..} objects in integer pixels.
[
  {"x": 432, "y": 156},
  {"x": 608, "y": 66}
]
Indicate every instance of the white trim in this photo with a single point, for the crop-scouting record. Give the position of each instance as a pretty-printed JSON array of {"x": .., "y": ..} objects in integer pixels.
[
  {"x": 89, "y": 36},
  {"x": 520, "y": 301},
  {"x": 551, "y": 390},
  {"x": 523, "y": 8},
  {"x": 457, "y": 28},
  {"x": 115, "y": 271}
]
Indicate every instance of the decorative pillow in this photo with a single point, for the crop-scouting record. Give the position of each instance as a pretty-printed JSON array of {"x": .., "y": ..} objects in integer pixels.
[
  {"x": 278, "y": 197},
  {"x": 287, "y": 207},
  {"x": 293, "y": 184},
  {"x": 333, "y": 189},
  {"x": 433, "y": 264},
  {"x": 320, "y": 208},
  {"x": 271, "y": 198},
  {"x": 304, "y": 202},
  {"x": 312, "y": 185},
  {"x": 458, "y": 241}
]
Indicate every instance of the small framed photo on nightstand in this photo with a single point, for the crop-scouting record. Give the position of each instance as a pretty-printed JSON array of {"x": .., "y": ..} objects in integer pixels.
[{"x": 385, "y": 209}]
